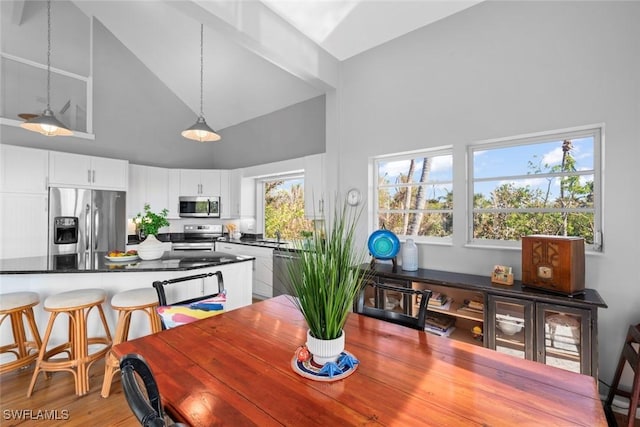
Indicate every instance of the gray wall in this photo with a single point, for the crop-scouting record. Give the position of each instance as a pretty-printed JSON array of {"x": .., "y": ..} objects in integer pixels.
[
  {"x": 295, "y": 131},
  {"x": 501, "y": 69}
]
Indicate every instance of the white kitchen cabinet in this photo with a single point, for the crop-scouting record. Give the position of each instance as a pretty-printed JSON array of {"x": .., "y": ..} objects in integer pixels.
[
  {"x": 230, "y": 193},
  {"x": 314, "y": 186},
  {"x": 235, "y": 193},
  {"x": 76, "y": 170},
  {"x": 23, "y": 170},
  {"x": 23, "y": 225},
  {"x": 147, "y": 184},
  {"x": 136, "y": 190},
  {"x": 199, "y": 182},
  {"x": 262, "y": 266},
  {"x": 225, "y": 207},
  {"x": 173, "y": 194}
]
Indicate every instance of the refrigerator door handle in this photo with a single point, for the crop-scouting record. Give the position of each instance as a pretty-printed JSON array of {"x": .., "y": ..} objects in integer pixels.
[
  {"x": 96, "y": 227},
  {"x": 87, "y": 216}
]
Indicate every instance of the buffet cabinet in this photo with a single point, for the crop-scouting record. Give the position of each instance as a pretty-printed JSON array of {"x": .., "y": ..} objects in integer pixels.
[
  {"x": 524, "y": 322},
  {"x": 553, "y": 334}
]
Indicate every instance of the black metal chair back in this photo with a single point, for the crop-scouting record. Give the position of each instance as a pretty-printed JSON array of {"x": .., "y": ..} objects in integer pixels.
[
  {"x": 417, "y": 322},
  {"x": 146, "y": 406},
  {"x": 159, "y": 285}
]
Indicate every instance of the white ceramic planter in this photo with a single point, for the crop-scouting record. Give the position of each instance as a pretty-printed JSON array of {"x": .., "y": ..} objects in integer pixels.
[
  {"x": 150, "y": 248},
  {"x": 324, "y": 351}
]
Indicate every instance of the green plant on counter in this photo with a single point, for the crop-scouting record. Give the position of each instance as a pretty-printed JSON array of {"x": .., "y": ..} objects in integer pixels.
[
  {"x": 326, "y": 280},
  {"x": 149, "y": 223}
]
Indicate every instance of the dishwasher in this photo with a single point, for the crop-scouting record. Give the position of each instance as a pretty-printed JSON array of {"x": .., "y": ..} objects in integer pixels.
[{"x": 281, "y": 260}]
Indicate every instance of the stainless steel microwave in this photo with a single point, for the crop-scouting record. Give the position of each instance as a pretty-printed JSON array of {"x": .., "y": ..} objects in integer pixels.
[{"x": 200, "y": 207}]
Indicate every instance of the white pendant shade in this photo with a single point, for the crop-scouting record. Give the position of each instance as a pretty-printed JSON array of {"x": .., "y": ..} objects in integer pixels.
[
  {"x": 201, "y": 132},
  {"x": 47, "y": 125}
]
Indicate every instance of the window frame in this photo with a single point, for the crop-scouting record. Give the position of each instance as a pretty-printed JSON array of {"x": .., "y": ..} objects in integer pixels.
[
  {"x": 595, "y": 131},
  {"x": 408, "y": 155}
]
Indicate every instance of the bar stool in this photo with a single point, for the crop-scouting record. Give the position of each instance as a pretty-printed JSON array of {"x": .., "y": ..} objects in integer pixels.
[
  {"x": 126, "y": 303},
  {"x": 16, "y": 306},
  {"x": 77, "y": 305},
  {"x": 630, "y": 355}
]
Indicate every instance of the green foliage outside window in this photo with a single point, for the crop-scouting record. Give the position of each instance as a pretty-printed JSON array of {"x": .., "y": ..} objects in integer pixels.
[{"x": 284, "y": 209}]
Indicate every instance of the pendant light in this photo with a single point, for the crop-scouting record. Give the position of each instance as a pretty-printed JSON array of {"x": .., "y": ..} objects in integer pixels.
[
  {"x": 47, "y": 124},
  {"x": 201, "y": 131}
]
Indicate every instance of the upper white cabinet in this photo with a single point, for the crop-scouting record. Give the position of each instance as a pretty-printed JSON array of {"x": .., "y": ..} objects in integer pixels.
[
  {"x": 314, "y": 185},
  {"x": 173, "y": 193},
  {"x": 230, "y": 184},
  {"x": 147, "y": 184},
  {"x": 225, "y": 206},
  {"x": 199, "y": 182},
  {"x": 23, "y": 170},
  {"x": 235, "y": 192},
  {"x": 87, "y": 172}
]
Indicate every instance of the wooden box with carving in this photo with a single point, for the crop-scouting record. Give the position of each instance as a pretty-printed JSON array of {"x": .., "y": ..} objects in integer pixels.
[{"x": 553, "y": 263}]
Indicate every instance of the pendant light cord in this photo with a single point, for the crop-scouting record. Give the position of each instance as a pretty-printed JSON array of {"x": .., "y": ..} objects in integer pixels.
[
  {"x": 48, "y": 54},
  {"x": 201, "y": 68}
]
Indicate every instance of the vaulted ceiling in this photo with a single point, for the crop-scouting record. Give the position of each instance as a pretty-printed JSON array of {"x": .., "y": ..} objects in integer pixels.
[{"x": 259, "y": 56}]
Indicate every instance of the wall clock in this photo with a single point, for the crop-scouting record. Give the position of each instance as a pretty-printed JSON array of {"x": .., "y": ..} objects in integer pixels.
[{"x": 354, "y": 197}]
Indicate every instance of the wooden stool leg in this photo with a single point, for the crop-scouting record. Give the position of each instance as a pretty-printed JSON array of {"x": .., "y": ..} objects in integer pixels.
[
  {"x": 41, "y": 354},
  {"x": 31, "y": 320},
  {"x": 111, "y": 362},
  {"x": 156, "y": 325}
]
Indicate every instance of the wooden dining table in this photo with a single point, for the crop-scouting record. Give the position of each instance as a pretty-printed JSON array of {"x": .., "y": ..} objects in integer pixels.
[{"x": 235, "y": 369}]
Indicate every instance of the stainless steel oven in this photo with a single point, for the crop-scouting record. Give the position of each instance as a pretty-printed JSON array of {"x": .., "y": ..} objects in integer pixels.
[
  {"x": 199, "y": 207},
  {"x": 198, "y": 237}
]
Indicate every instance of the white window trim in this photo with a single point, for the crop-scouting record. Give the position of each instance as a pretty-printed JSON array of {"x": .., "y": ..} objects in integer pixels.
[{"x": 595, "y": 130}]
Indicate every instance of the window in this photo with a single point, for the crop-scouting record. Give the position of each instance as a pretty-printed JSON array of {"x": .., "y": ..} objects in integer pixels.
[
  {"x": 414, "y": 194},
  {"x": 544, "y": 184},
  {"x": 284, "y": 207}
]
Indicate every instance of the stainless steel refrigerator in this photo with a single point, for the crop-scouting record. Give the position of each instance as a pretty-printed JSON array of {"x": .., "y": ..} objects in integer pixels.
[{"x": 83, "y": 222}]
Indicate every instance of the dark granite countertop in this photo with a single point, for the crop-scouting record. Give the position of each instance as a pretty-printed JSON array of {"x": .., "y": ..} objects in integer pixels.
[{"x": 74, "y": 263}]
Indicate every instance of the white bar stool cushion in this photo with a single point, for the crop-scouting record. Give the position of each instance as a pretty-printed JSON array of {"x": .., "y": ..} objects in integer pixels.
[
  {"x": 134, "y": 298},
  {"x": 75, "y": 298},
  {"x": 18, "y": 299}
]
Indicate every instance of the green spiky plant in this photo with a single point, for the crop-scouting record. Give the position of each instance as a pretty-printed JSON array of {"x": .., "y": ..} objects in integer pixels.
[{"x": 325, "y": 281}]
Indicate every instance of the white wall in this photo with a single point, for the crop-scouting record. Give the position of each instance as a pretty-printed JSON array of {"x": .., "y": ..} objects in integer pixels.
[{"x": 500, "y": 69}]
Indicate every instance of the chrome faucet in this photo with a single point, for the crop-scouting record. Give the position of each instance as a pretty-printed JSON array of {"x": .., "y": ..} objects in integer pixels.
[{"x": 278, "y": 235}]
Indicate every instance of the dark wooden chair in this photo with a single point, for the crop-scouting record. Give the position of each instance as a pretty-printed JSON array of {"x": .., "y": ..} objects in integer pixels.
[
  {"x": 146, "y": 405},
  {"x": 417, "y": 322},
  {"x": 190, "y": 304},
  {"x": 631, "y": 355}
]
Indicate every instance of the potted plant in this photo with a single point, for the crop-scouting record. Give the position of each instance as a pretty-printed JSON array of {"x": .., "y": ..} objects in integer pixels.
[
  {"x": 148, "y": 226},
  {"x": 326, "y": 280}
]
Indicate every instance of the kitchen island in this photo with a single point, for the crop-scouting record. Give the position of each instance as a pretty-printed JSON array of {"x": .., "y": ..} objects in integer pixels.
[{"x": 49, "y": 276}]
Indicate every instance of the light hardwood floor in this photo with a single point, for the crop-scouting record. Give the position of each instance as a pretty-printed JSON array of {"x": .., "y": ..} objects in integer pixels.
[{"x": 55, "y": 397}]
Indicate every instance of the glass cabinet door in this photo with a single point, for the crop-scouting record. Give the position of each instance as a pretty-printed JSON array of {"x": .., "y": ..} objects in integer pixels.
[
  {"x": 510, "y": 326},
  {"x": 563, "y": 339}
]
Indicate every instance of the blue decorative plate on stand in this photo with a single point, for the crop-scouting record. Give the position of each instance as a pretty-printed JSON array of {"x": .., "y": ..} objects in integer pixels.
[
  {"x": 384, "y": 245},
  {"x": 346, "y": 365}
]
